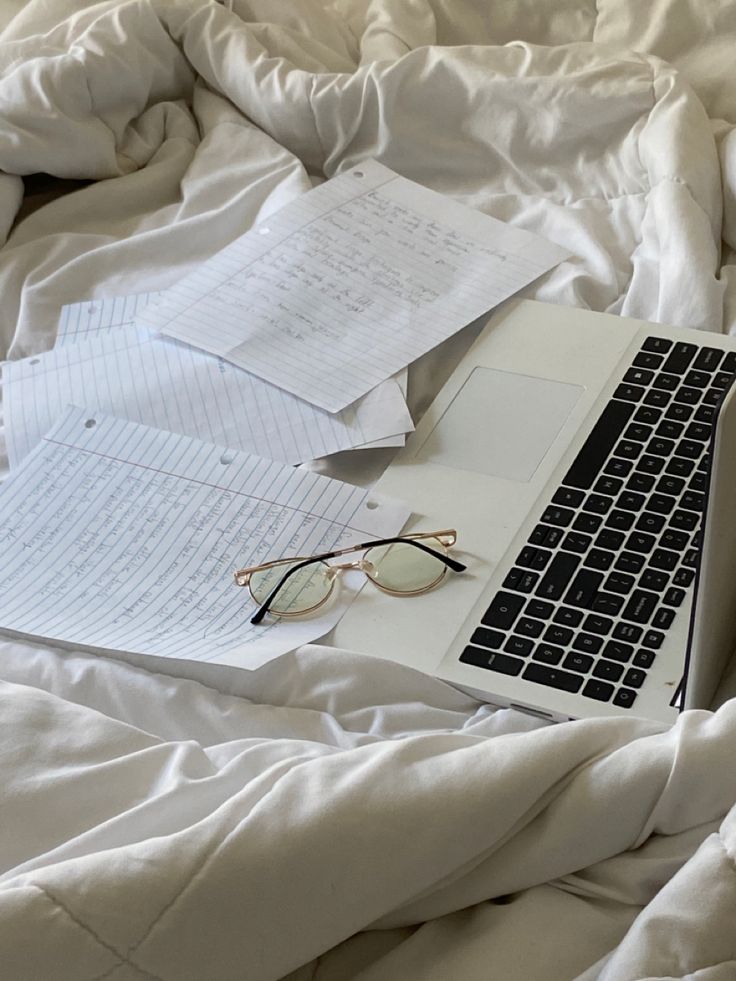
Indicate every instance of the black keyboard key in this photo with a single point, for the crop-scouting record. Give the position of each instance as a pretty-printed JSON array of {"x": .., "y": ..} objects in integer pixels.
[
  {"x": 587, "y": 523},
  {"x": 624, "y": 698},
  {"x": 641, "y": 483},
  {"x": 575, "y": 542},
  {"x": 643, "y": 659},
  {"x": 661, "y": 503},
  {"x": 708, "y": 359},
  {"x": 527, "y": 627},
  {"x": 697, "y": 482},
  {"x": 554, "y": 515},
  {"x": 696, "y": 379},
  {"x": 685, "y": 520},
  {"x": 661, "y": 558},
  {"x": 555, "y": 634},
  {"x": 663, "y": 618},
  {"x": 548, "y": 654},
  {"x": 601, "y": 691},
  {"x": 654, "y": 580},
  {"x": 648, "y": 414},
  {"x": 553, "y": 677},
  {"x": 680, "y": 467},
  {"x": 721, "y": 379},
  {"x": 639, "y": 541},
  {"x": 660, "y": 447},
  {"x": 503, "y": 610},
  {"x": 598, "y": 558},
  {"x": 647, "y": 359},
  {"x": 488, "y": 638},
  {"x": 558, "y": 575},
  {"x": 679, "y": 412},
  {"x": 570, "y": 497},
  {"x": 683, "y": 577},
  {"x": 616, "y": 650},
  {"x": 608, "y": 670},
  {"x": 705, "y": 413},
  {"x": 689, "y": 449},
  {"x": 666, "y": 383},
  {"x": 676, "y": 540},
  {"x": 608, "y": 485},
  {"x": 712, "y": 396},
  {"x": 532, "y": 558},
  {"x": 650, "y": 523},
  {"x": 578, "y": 662},
  {"x": 597, "y": 504},
  {"x": 619, "y": 582},
  {"x": 649, "y": 464},
  {"x": 607, "y": 603},
  {"x": 660, "y": 345},
  {"x": 628, "y": 393},
  {"x": 698, "y": 431},
  {"x": 679, "y": 358},
  {"x": 521, "y": 580},
  {"x": 640, "y": 606},
  {"x": 597, "y": 446},
  {"x": 620, "y": 520},
  {"x": 597, "y": 624},
  {"x": 692, "y": 501},
  {"x": 537, "y": 536},
  {"x": 634, "y": 678},
  {"x": 583, "y": 588},
  {"x": 689, "y": 396},
  {"x": 670, "y": 485},
  {"x": 553, "y": 536},
  {"x": 657, "y": 397},
  {"x": 610, "y": 539},
  {"x": 628, "y": 632},
  {"x": 618, "y": 467},
  {"x": 628, "y": 449},
  {"x": 669, "y": 429},
  {"x": 638, "y": 376},
  {"x": 638, "y": 431},
  {"x": 704, "y": 464},
  {"x": 587, "y": 643},
  {"x": 674, "y": 596},
  {"x": 567, "y": 616},
  {"x": 653, "y": 638},
  {"x": 520, "y": 646},
  {"x": 629, "y": 562},
  {"x": 488, "y": 659},
  {"x": 729, "y": 363},
  {"x": 630, "y": 501}
]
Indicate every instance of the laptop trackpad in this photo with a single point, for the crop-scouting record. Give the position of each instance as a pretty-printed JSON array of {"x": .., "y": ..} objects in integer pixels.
[{"x": 500, "y": 423}]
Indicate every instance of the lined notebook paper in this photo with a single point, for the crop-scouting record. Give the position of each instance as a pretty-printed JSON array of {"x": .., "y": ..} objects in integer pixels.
[
  {"x": 118, "y": 537},
  {"x": 92, "y": 318},
  {"x": 350, "y": 283},
  {"x": 163, "y": 383}
]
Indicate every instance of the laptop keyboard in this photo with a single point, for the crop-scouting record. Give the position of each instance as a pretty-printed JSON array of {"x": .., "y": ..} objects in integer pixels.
[{"x": 588, "y": 601}]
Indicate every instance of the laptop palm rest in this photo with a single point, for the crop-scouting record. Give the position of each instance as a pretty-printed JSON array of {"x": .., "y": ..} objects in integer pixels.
[{"x": 500, "y": 423}]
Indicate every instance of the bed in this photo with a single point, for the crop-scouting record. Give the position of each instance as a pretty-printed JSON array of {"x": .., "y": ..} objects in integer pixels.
[{"x": 330, "y": 815}]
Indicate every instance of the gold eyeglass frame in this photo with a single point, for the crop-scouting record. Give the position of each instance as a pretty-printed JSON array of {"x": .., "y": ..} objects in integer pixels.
[{"x": 447, "y": 538}]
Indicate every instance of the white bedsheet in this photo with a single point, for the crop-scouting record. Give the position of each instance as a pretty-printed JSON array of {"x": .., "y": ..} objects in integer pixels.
[{"x": 333, "y": 815}]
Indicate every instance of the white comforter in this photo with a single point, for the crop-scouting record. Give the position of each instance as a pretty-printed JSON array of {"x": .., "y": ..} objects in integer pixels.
[{"x": 337, "y": 816}]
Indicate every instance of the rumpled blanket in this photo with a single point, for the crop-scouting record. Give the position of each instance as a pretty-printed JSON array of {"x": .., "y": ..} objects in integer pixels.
[{"x": 334, "y": 816}]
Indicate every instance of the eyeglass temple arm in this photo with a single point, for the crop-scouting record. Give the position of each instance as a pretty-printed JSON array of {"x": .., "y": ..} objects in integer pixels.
[{"x": 264, "y": 607}]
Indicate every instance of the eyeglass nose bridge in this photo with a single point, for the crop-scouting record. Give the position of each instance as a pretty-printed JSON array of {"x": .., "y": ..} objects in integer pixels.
[{"x": 362, "y": 564}]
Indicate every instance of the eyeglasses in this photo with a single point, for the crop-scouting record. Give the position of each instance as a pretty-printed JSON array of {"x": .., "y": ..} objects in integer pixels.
[{"x": 404, "y": 566}]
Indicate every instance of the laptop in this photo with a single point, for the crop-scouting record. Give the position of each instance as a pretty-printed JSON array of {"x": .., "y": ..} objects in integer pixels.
[{"x": 587, "y": 462}]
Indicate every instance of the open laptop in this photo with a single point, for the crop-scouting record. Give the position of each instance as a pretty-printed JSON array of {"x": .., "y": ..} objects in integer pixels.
[{"x": 587, "y": 462}]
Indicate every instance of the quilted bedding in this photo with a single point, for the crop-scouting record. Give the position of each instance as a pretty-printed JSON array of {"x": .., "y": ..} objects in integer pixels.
[{"x": 333, "y": 816}]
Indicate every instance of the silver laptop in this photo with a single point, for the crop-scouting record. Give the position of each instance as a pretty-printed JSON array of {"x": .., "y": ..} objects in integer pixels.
[{"x": 587, "y": 462}]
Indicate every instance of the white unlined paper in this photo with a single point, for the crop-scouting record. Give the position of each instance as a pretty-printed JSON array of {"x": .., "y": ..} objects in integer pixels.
[{"x": 349, "y": 284}]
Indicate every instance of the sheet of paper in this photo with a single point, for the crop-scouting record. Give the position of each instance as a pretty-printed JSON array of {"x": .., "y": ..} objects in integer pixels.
[
  {"x": 350, "y": 283},
  {"x": 146, "y": 378},
  {"x": 93, "y": 318},
  {"x": 119, "y": 537}
]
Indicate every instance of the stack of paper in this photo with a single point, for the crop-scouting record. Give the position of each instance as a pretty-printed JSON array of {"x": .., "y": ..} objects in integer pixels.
[{"x": 290, "y": 344}]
